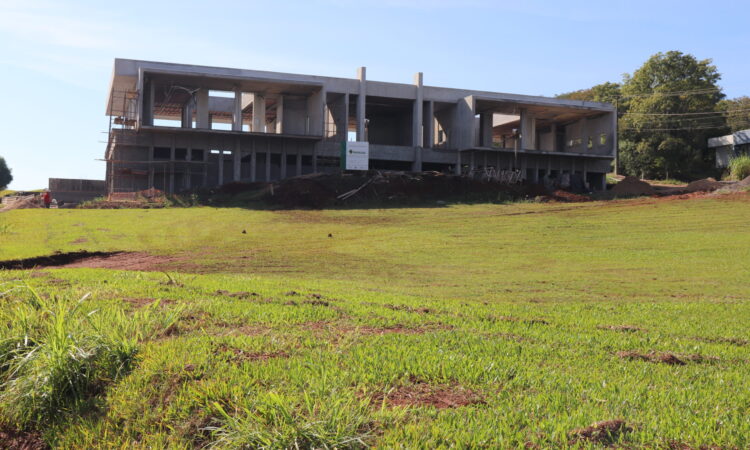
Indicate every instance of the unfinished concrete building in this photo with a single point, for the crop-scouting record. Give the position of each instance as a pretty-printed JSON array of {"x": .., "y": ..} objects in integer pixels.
[{"x": 176, "y": 127}]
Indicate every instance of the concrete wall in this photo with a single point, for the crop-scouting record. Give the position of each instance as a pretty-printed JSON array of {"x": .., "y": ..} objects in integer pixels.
[{"x": 70, "y": 190}]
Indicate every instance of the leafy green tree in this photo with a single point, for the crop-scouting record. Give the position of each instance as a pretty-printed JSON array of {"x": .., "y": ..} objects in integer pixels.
[
  {"x": 5, "y": 176},
  {"x": 664, "y": 130},
  {"x": 605, "y": 92},
  {"x": 737, "y": 113}
]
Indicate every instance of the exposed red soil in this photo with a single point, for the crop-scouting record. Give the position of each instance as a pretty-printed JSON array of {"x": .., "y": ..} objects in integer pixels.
[
  {"x": 632, "y": 186},
  {"x": 21, "y": 440},
  {"x": 423, "y": 394},
  {"x": 518, "y": 319},
  {"x": 407, "y": 308},
  {"x": 239, "y": 355},
  {"x": 665, "y": 357},
  {"x": 565, "y": 196},
  {"x": 622, "y": 328},
  {"x": 240, "y": 294},
  {"x": 723, "y": 340},
  {"x": 124, "y": 261},
  {"x": 140, "y": 302},
  {"x": 603, "y": 433}
]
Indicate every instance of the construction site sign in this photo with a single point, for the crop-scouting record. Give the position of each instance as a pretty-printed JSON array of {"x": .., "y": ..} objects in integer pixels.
[{"x": 355, "y": 155}]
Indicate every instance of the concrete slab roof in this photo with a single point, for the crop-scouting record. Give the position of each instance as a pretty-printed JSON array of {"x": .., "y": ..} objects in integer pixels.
[
  {"x": 737, "y": 138},
  {"x": 126, "y": 73}
]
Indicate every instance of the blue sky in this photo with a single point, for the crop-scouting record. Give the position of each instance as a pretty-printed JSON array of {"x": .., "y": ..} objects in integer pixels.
[{"x": 56, "y": 56}]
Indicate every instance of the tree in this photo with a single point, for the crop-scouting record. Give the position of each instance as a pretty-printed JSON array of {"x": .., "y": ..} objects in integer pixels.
[
  {"x": 737, "y": 112},
  {"x": 669, "y": 103},
  {"x": 605, "y": 92},
  {"x": 5, "y": 176}
]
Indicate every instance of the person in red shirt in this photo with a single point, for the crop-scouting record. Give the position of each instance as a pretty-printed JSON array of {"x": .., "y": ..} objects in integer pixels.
[{"x": 46, "y": 198}]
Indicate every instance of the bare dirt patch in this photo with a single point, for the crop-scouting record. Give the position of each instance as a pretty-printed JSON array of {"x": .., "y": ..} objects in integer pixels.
[
  {"x": 724, "y": 340},
  {"x": 604, "y": 433},
  {"x": 98, "y": 260},
  {"x": 140, "y": 302},
  {"x": 424, "y": 394},
  {"x": 239, "y": 355},
  {"x": 665, "y": 357},
  {"x": 621, "y": 328},
  {"x": 21, "y": 440},
  {"x": 240, "y": 294},
  {"x": 407, "y": 308}
]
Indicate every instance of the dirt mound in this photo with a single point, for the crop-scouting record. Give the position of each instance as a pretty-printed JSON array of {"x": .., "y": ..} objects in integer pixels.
[
  {"x": 424, "y": 394},
  {"x": 55, "y": 259},
  {"x": 324, "y": 190},
  {"x": 604, "y": 433},
  {"x": 704, "y": 185},
  {"x": 632, "y": 186},
  {"x": 565, "y": 196}
]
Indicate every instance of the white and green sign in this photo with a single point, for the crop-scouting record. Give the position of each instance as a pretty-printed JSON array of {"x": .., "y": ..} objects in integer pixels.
[{"x": 355, "y": 155}]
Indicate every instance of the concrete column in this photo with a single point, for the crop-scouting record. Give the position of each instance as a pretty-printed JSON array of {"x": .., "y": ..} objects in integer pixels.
[
  {"x": 283, "y": 161},
  {"x": 584, "y": 136},
  {"x": 221, "y": 167},
  {"x": 187, "y": 177},
  {"x": 553, "y": 132},
  {"x": 315, "y": 157},
  {"x": 280, "y": 115},
  {"x": 485, "y": 127},
  {"x": 253, "y": 164},
  {"x": 237, "y": 113},
  {"x": 472, "y": 162},
  {"x": 535, "y": 171},
  {"x": 345, "y": 126},
  {"x": 151, "y": 167},
  {"x": 613, "y": 133},
  {"x": 361, "y": 102},
  {"x": 148, "y": 104},
  {"x": 237, "y": 164},
  {"x": 299, "y": 161},
  {"x": 416, "y": 128},
  {"x": 528, "y": 130},
  {"x": 202, "y": 119},
  {"x": 457, "y": 169},
  {"x": 268, "y": 160},
  {"x": 171, "y": 168},
  {"x": 259, "y": 113},
  {"x": 428, "y": 120},
  {"x": 187, "y": 114}
]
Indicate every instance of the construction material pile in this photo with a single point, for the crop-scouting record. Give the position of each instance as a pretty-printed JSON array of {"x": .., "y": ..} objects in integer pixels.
[
  {"x": 632, "y": 186},
  {"x": 389, "y": 187},
  {"x": 22, "y": 202}
]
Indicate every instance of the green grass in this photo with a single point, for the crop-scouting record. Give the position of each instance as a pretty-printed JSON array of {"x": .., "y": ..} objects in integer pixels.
[
  {"x": 739, "y": 167},
  {"x": 507, "y": 302}
]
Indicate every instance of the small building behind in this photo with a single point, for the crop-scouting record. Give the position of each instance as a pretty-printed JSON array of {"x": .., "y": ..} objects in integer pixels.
[
  {"x": 730, "y": 146},
  {"x": 73, "y": 190}
]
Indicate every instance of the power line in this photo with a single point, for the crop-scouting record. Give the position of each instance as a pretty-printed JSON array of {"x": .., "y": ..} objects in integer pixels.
[
  {"x": 685, "y": 114},
  {"x": 674, "y": 93}
]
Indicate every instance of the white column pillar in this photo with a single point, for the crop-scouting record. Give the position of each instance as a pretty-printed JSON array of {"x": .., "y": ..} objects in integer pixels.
[
  {"x": 259, "y": 113},
  {"x": 361, "y": 102},
  {"x": 237, "y": 113},
  {"x": 280, "y": 115},
  {"x": 429, "y": 125},
  {"x": 201, "y": 99},
  {"x": 417, "y": 134}
]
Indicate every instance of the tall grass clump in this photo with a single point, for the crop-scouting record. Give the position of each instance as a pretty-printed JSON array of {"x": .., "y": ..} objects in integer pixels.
[
  {"x": 276, "y": 422},
  {"x": 739, "y": 167},
  {"x": 58, "y": 354}
]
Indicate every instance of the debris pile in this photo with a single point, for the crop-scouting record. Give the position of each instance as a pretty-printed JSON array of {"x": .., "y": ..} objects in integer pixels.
[
  {"x": 395, "y": 187},
  {"x": 631, "y": 186},
  {"x": 704, "y": 185}
]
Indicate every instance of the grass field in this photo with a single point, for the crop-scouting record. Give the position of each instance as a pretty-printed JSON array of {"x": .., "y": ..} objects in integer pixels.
[{"x": 465, "y": 326}]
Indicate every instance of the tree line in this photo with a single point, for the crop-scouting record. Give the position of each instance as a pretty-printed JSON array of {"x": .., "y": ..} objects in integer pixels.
[{"x": 668, "y": 108}]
